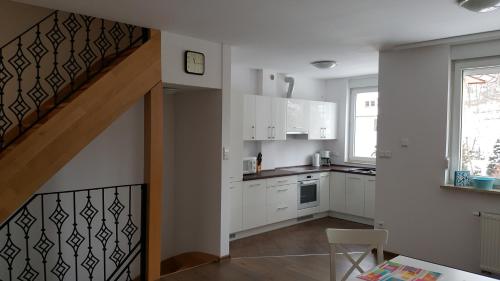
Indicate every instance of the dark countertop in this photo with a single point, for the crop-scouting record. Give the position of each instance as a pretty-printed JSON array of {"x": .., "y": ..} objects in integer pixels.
[{"x": 299, "y": 170}]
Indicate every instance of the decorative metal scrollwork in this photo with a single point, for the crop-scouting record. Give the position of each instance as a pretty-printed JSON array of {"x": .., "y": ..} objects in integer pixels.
[
  {"x": 68, "y": 50},
  {"x": 69, "y": 234}
]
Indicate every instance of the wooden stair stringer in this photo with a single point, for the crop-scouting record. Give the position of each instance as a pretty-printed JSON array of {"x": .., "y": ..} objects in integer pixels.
[{"x": 43, "y": 152}]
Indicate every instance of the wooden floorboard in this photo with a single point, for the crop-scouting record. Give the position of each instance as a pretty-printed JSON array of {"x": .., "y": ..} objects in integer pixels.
[
  {"x": 301, "y": 239},
  {"x": 294, "y": 253}
]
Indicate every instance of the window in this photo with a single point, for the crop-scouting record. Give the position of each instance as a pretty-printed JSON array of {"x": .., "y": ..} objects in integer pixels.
[
  {"x": 362, "y": 144},
  {"x": 475, "y": 116}
]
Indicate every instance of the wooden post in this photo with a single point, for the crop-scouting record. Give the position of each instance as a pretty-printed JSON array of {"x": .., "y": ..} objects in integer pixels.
[{"x": 153, "y": 172}]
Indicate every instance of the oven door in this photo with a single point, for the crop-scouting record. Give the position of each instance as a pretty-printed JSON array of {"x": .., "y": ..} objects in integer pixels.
[{"x": 308, "y": 194}]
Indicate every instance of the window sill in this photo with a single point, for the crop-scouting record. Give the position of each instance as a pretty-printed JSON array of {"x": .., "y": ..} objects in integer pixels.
[{"x": 470, "y": 189}]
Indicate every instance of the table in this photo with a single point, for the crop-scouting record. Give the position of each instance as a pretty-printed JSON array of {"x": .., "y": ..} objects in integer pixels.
[{"x": 449, "y": 274}]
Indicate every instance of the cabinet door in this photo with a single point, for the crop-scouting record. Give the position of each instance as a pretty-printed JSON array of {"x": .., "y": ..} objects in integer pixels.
[
  {"x": 324, "y": 192},
  {"x": 338, "y": 192},
  {"x": 263, "y": 117},
  {"x": 281, "y": 203},
  {"x": 355, "y": 195},
  {"x": 315, "y": 120},
  {"x": 297, "y": 115},
  {"x": 254, "y": 204},
  {"x": 235, "y": 207},
  {"x": 279, "y": 118},
  {"x": 370, "y": 197},
  {"x": 330, "y": 121},
  {"x": 249, "y": 129}
]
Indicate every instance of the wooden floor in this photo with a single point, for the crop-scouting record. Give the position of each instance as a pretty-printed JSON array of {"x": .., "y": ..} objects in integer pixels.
[{"x": 298, "y": 252}]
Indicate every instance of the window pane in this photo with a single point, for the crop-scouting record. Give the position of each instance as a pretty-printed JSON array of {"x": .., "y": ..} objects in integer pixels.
[
  {"x": 480, "y": 131},
  {"x": 365, "y": 125}
]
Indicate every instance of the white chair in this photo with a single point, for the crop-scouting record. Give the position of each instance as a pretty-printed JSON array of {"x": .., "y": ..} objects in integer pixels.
[{"x": 373, "y": 238}]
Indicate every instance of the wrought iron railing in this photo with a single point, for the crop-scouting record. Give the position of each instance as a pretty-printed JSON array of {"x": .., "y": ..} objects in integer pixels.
[
  {"x": 93, "y": 234},
  {"x": 51, "y": 60}
]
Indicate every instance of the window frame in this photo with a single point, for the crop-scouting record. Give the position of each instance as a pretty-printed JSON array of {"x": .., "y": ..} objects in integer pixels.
[
  {"x": 352, "y": 126},
  {"x": 455, "y": 112}
]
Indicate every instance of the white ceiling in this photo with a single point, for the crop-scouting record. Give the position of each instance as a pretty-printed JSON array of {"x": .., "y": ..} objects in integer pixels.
[{"x": 285, "y": 35}]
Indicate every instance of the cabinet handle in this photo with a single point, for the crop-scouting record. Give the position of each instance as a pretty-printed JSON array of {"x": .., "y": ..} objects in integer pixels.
[
  {"x": 282, "y": 208},
  {"x": 282, "y": 181},
  {"x": 273, "y": 132},
  {"x": 254, "y": 185},
  {"x": 282, "y": 190}
]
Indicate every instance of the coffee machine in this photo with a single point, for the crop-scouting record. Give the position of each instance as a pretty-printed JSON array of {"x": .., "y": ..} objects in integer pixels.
[{"x": 326, "y": 157}]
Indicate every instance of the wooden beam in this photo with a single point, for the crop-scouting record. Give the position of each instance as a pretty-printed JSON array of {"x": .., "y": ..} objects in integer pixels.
[
  {"x": 153, "y": 171},
  {"x": 27, "y": 165}
]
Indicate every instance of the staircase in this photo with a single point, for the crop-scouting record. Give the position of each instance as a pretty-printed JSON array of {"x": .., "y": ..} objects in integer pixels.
[{"x": 62, "y": 82}]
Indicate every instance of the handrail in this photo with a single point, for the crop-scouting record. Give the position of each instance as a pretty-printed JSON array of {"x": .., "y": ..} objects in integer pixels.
[
  {"x": 60, "y": 235},
  {"x": 51, "y": 60},
  {"x": 28, "y": 30}
]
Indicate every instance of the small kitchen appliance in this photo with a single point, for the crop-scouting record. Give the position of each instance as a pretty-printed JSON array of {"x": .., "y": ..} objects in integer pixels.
[
  {"x": 316, "y": 160},
  {"x": 249, "y": 165},
  {"x": 326, "y": 157}
]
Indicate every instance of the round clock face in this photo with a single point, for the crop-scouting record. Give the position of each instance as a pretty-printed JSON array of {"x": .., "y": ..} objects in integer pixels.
[{"x": 195, "y": 63}]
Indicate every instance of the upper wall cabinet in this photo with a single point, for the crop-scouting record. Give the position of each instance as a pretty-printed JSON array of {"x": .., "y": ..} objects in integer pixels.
[
  {"x": 264, "y": 118},
  {"x": 297, "y": 116},
  {"x": 322, "y": 120},
  {"x": 249, "y": 122}
]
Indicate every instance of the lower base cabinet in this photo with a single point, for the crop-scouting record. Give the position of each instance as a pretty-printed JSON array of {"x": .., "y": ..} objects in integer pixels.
[
  {"x": 355, "y": 195},
  {"x": 281, "y": 203},
  {"x": 324, "y": 192},
  {"x": 370, "y": 197},
  {"x": 359, "y": 196},
  {"x": 261, "y": 202},
  {"x": 235, "y": 207},
  {"x": 254, "y": 204}
]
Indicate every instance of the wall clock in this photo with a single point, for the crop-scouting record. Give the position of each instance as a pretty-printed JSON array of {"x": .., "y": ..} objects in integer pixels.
[{"x": 194, "y": 63}]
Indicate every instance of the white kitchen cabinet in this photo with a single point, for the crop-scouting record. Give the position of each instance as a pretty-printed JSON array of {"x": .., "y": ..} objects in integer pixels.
[
  {"x": 281, "y": 203},
  {"x": 338, "y": 192},
  {"x": 355, "y": 195},
  {"x": 235, "y": 207},
  {"x": 270, "y": 118},
  {"x": 322, "y": 120},
  {"x": 330, "y": 121},
  {"x": 254, "y": 204},
  {"x": 279, "y": 108},
  {"x": 370, "y": 197},
  {"x": 263, "y": 117},
  {"x": 324, "y": 192},
  {"x": 249, "y": 122},
  {"x": 297, "y": 116}
]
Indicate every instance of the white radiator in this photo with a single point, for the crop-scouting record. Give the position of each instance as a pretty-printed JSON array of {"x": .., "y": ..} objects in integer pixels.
[{"x": 490, "y": 242}]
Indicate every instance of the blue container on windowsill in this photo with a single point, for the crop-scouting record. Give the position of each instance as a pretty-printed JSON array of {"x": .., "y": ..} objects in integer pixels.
[{"x": 483, "y": 182}]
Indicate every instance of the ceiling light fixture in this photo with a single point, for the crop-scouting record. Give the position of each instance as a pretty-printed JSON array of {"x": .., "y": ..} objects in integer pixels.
[
  {"x": 325, "y": 64},
  {"x": 480, "y": 6}
]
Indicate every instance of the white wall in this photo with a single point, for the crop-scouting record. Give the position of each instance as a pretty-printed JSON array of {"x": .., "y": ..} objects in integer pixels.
[
  {"x": 174, "y": 46},
  {"x": 424, "y": 221},
  {"x": 169, "y": 202},
  {"x": 193, "y": 221},
  {"x": 115, "y": 157},
  {"x": 16, "y": 18}
]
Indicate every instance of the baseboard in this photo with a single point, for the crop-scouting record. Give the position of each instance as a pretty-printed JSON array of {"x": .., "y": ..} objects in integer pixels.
[
  {"x": 275, "y": 226},
  {"x": 352, "y": 218}
]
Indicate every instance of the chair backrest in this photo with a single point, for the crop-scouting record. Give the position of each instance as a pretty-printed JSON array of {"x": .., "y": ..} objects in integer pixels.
[{"x": 372, "y": 238}]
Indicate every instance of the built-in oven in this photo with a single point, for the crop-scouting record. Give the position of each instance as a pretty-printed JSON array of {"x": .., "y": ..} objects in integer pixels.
[{"x": 308, "y": 191}]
